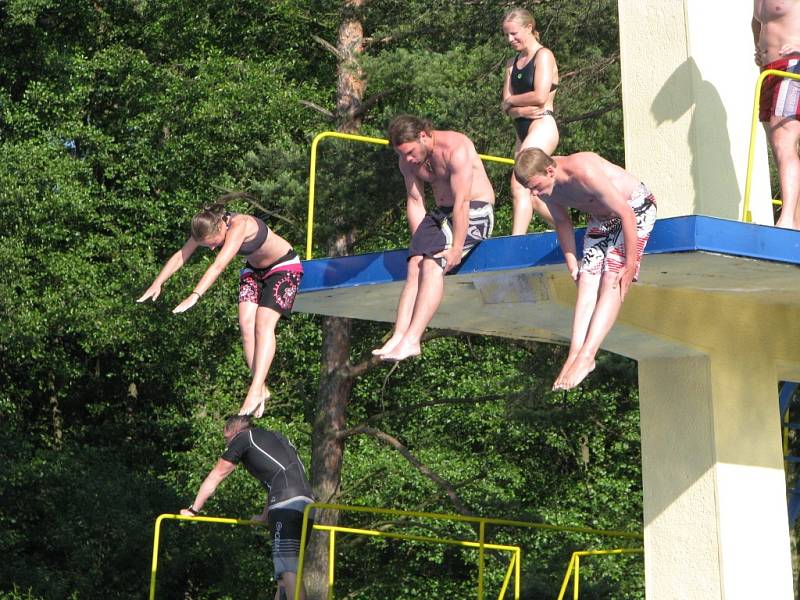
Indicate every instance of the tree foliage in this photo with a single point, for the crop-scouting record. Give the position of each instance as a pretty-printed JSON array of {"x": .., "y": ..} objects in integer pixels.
[{"x": 117, "y": 120}]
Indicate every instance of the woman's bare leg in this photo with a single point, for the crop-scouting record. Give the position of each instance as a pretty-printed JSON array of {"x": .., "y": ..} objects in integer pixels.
[
  {"x": 247, "y": 326},
  {"x": 543, "y": 134},
  {"x": 266, "y": 320}
]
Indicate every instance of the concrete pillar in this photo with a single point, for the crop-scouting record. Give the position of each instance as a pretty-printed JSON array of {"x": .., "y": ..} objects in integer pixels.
[
  {"x": 688, "y": 80},
  {"x": 715, "y": 517}
]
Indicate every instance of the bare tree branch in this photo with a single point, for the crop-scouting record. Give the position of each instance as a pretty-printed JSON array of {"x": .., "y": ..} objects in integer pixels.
[
  {"x": 365, "y": 366},
  {"x": 374, "y": 99},
  {"x": 329, "y": 47},
  {"x": 419, "y": 465},
  {"x": 591, "y": 114},
  {"x": 414, "y": 407},
  {"x": 373, "y": 361},
  {"x": 400, "y": 36},
  {"x": 248, "y": 197},
  {"x": 593, "y": 67},
  {"x": 324, "y": 111},
  {"x": 370, "y": 477}
]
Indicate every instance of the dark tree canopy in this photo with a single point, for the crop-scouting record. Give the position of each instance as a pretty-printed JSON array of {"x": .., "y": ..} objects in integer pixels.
[{"x": 117, "y": 121}]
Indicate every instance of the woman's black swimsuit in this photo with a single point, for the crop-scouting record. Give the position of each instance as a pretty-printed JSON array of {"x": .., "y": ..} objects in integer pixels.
[{"x": 522, "y": 82}]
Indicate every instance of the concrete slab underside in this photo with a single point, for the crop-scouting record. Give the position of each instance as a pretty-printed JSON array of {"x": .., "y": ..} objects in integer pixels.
[{"x": 517, "y": 287}]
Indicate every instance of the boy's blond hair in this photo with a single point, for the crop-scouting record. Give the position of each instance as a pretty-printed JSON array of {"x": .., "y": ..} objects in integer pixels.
[{"x": 530, "y": 163}]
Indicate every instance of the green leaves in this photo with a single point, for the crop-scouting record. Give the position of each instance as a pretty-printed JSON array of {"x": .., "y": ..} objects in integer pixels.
[{"x": 117, "y": 120}]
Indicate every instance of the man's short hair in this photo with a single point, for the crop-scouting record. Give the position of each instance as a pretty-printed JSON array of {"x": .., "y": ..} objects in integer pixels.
[
  {"x": 405, "y": 128},
  {"x": 530, "y": 163},
  {"x": 236, "y": 423}
]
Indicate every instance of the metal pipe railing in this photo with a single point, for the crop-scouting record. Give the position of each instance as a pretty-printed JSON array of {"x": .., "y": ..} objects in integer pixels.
[
  {"x": 312, "y": 177},
  {"x": 481, "y": 521},
  {"x": 574, "y": 567},
  {"x": 747, "y": 217},
  {"x": 514, "y": 568}
]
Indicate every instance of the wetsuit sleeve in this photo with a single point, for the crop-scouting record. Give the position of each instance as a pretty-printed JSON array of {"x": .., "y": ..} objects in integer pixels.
[{"x": 236, "y": 449}]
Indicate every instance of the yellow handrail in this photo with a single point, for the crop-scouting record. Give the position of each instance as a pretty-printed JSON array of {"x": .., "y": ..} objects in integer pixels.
[
  {"x": 333, "y": 529},
  {"x": 746, "y": 216},
  {"x": 312, "y": 178},
  {"x": 157, "y": 537},
  {"x": 574, "y": 567},
  {"x": 482, "y": 521},
  {"x": 513, "y": 568}
]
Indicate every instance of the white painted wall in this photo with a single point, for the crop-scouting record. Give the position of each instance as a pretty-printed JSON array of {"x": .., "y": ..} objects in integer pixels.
[{"x": 688, "y": 80}]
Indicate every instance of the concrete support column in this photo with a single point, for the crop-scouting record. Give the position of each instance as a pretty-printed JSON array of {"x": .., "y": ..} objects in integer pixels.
[
  {"x": 688, "y": 80},
  {"x": 715, "y": 517}
]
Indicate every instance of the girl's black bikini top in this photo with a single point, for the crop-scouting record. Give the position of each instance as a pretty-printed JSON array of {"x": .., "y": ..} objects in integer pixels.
[{"x": 248, "y": 248}]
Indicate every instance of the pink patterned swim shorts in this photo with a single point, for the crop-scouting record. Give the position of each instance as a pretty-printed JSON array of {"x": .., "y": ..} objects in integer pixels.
[{"x": 274, "y": 286}]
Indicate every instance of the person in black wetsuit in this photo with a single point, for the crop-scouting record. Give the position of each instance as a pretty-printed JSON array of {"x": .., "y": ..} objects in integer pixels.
[
  {"x": 267, "y": 284},
  {"x": 529, "y": 87},
  {"x": 273, "y": 461}
]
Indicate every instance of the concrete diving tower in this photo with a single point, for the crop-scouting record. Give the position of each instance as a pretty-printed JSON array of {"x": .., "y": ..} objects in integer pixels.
[{"x": 714, "y": 323}]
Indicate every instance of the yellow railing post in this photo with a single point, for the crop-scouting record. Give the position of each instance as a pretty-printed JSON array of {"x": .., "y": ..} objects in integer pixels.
[
  {"x": 517, "y": 577},
  {"x": 154, "y": 564},
  {"x": 331, "y": 560},
  {"x": 312, "y": 177},
  {"x": 565, "y": 583},
  {"x": 746, "y": 216},
  {"x": 513, "y": 565},
  {"x": 573, "y": 569},
  {"x": 481, "y": 540},
  {"x": 514, "y": 550},
  {"x": 301, "y": 557},
  {"x": 157, "y": 536}
]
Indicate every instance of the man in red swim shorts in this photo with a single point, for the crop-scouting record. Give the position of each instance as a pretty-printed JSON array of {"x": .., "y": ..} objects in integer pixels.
[{"x": 776, "y": 33}]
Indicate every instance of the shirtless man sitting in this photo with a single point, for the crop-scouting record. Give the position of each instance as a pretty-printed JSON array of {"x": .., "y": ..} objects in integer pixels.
[
  {"x": 622, "y": 213},
  {"x": 776, "y": 34},
  {"x": 464, "y": 216}
]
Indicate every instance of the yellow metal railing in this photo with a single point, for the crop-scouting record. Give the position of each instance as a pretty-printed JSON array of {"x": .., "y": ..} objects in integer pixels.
[
  {"x": 481, "y": 544},
  {"x": 747, "y": 217},
  {"x": 157, "y": 539},
  {"x": 312, "y": 178},
  {"x": 574, "y": 567},
  {"x": 513, "y": 570},
  {"x": 513, "y": 566}
]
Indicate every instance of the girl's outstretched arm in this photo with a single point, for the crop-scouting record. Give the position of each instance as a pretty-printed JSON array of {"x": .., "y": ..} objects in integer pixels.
[
  {"x": 233, "y": 241},
  {"x": 173, "y": 264}
]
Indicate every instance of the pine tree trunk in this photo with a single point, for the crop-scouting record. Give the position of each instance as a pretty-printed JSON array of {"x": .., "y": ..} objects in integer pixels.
[
  {"x": 351, "y": 82},
  {"x": 336, "y": 381},
  {"x": 327, "y": 446}
]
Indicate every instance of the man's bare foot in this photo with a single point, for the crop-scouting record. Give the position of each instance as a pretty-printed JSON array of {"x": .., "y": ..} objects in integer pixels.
[
  {"x": 559, "y": 382},
  {"x": 580, "y": 369},
  {"x": 403, "y": 350},
  {"x": 785, "y": 223},
  {"x": 388, "y": 346}
]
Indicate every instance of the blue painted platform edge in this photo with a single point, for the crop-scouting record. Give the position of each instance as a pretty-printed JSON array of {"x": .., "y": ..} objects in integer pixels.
[{"x": 693, "y": 233}]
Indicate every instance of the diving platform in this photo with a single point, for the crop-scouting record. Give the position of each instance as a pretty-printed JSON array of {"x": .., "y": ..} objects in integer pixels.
[
  {"x": 714, "y": 323},
  {"x": 518, "y": 287}
]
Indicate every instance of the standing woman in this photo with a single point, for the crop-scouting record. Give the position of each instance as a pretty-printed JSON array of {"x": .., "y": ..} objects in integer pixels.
[
  {"x": 529, "y": 87},
  {"x": 267, "y": 284}
]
